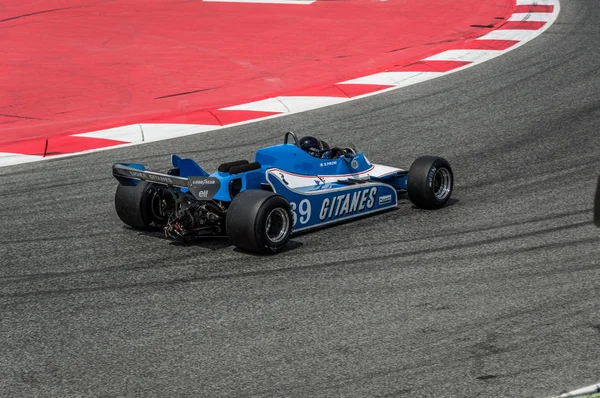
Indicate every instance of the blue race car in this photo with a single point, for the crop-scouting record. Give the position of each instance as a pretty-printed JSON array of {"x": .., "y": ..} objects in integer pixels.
[{"x": 295, "y": 186}]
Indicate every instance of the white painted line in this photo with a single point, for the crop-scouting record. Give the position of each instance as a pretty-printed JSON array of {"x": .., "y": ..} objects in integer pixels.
[
  {"x": 9, "y": 159},
  {"x": 289, "y": 104},
  {"x": 536, "y": 2},
  {"x": 129, "y": 133},
  {"x": 398, "y": 79},
  {"x": 266, "y": 105},
  {"x": 403, "y": 79},
  {"x": 306, "y": 103},
  {"x": 531, "y": 17},
  {"x": 380, "y": 79},
  {"x": 164, "y": 131},
  {"x": 465, "y": 55},
  {"x": 263, "y": 1},
  {"x": 148, "y": 132},
  {"x": 508, "y": 34}
]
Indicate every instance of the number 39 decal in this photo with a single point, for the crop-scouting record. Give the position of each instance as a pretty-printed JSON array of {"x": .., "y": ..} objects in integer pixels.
[{"x": 303, "y": 209}]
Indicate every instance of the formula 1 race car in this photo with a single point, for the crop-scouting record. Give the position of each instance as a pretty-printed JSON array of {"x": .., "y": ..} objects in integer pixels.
[{"x": 287, "y": 189}]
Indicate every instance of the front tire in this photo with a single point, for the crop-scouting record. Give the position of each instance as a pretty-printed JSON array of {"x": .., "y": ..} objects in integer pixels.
[
  {"x": 430, "y": 182},
  {"x": 259, "y": 221},
  {"x": 139, "y": 206}
]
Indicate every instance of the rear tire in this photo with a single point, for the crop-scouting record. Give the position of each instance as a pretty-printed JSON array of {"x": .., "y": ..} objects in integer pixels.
[
  {"x": 430, "y": 182},
  {"x": 259, "y": 221},
  {"x": 139, "y": 206}
]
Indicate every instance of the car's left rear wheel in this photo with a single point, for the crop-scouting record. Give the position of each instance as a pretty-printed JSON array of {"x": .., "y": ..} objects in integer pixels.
[{"x": 259, "y": 221}]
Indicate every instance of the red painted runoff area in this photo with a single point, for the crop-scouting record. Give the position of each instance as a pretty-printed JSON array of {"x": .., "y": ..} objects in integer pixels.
[{"x": 73, "y": 66}]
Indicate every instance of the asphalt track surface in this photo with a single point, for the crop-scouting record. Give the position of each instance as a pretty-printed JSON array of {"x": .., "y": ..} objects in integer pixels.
[{"x": 494, "y": 295}]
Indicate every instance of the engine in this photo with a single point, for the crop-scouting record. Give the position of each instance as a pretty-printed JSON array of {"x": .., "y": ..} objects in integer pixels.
[{"x": 187, "y": 217}]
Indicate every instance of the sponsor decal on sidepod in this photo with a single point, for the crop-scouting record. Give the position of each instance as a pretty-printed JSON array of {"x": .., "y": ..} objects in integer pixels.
[{"x": 349, "y": 203}]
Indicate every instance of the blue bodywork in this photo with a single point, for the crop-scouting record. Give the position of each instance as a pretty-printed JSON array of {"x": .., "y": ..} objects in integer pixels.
[{"x": 335, "y": 189}]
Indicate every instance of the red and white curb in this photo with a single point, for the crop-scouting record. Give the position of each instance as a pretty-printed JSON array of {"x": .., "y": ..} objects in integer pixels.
[{"x": 530, "y": 18}]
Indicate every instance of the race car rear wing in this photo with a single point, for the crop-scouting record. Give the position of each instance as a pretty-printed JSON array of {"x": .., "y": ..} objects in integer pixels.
[
  {"x": 201, "y": 187},
  {"x": 129, "y": 174}
]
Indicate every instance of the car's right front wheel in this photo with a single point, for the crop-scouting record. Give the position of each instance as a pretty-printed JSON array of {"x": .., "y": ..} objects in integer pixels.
[{"x": 430, "y": 182}]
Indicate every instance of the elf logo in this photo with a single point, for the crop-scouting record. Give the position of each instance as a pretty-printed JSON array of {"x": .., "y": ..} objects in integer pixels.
[{"x": 349, "y": 203}]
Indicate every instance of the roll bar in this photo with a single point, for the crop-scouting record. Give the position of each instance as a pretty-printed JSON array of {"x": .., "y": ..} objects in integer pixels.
[{"x": 290, "y": 133}]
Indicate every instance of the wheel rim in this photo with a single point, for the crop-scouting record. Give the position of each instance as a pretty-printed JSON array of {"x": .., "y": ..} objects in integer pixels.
[
  {"x": 155, "y": 207},
  {"x": 277, "y": 225},
  {"x": 442, "y": 183}
]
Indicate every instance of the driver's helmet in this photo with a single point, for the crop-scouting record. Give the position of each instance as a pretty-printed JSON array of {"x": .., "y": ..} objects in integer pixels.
[{"x": 313, "y": 146}]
